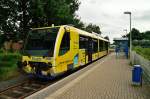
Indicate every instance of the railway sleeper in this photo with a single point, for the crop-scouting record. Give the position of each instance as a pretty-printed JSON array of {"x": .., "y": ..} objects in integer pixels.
[
  {"x": 36, "y": 85},
  {"x": 17, "y": 92},
  {"x": 29, "y": 88}
]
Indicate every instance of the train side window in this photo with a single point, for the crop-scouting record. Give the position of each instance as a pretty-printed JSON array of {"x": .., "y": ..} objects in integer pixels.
[
  {"x": 95, "y": 45},
  {"x": 100, "y": 45},
  {"x": 83, "y": 43},
  {"x": 65, "y": 44},
  {"x": 105, "y": 45}
]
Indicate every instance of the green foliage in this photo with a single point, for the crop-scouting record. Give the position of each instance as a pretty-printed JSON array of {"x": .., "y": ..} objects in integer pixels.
[
  {"x": 2, "y": 38},
  {"x": 9, "y": 56},
  {"x": 146, "y": 35},
  {"x": 78, "y": 24},
  {"x": 93, "y": 28},
  {"x": 8, "y": 65},
  {"x": 137, "y": 35},
  {"x": 145, "y": 52},
  {"x": 1, "y": 51},
  {"x": 142, "y": 43},
  {"x": 106, "y": 37},
  {"x": 8, "y": 72},
  {"x": 17, "y": 16}
]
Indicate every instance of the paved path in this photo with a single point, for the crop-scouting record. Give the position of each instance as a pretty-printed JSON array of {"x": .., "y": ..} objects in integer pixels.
[{"x": 109, "y": 80}]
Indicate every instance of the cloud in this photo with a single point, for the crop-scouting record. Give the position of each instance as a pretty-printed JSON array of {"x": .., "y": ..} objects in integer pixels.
[
  {"x": 108, "y": 14},
  {"x": 143, "y": 16}
]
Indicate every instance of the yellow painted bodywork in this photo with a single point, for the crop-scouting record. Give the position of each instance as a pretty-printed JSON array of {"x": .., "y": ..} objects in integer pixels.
[
  {"x": 28, "y": 59},
  {"x": 95, "y": 56},
  {"x": 82, "y": 57},
  {"x": 74, "y": 58},
  {"x": 61, "y": 62}
]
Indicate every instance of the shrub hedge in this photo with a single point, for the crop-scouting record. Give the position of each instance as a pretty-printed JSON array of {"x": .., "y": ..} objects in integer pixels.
[{"x": 8, "y": 65}]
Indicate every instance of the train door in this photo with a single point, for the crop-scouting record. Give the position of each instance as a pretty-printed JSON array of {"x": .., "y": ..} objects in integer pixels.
[
  {"x": 83, "y": 48},
  {"x": 64, "y": 58},
  {"x": 90, "y": 49}
]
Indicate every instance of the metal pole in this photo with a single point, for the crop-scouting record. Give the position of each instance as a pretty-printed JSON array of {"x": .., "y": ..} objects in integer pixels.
[
  {"x": 130, "y": 37},
  {"x": 127, "y": 12}
]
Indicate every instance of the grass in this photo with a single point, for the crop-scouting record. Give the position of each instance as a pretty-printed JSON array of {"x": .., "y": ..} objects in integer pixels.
[
  {"x": 8, "y": 72},
  {"x": 145, "y": 52},
  {"x": 8, "y": 65}
]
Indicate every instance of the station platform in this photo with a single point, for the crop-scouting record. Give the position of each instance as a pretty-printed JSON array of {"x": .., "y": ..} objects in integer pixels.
[{"x": 110, "y": 78}]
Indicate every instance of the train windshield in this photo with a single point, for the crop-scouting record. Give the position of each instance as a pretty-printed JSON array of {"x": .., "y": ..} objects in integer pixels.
[{"x": 41, "y": 42}]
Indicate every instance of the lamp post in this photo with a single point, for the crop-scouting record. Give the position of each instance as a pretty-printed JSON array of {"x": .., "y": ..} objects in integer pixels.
[{"x": 127, "y": 12}]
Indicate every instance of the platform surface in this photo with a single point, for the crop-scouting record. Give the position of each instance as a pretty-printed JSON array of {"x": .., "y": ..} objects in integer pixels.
[{"x": 109, "y": 79}]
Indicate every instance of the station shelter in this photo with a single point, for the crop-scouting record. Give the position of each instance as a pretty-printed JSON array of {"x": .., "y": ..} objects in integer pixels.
[{"x": 121, "y": 45}]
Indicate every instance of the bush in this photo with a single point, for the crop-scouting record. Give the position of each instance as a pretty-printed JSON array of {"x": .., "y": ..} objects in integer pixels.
[
  {"x": 8, "y": 72},
  {"x": 1, "y": 51},
  {"x": 10, "y": 57},
  {"x": 8, "y": 65},
  {"x": 142, "y": 43}
]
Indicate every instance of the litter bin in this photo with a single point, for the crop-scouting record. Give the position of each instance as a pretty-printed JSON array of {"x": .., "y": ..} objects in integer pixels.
[{"x": 137, "y": 75}]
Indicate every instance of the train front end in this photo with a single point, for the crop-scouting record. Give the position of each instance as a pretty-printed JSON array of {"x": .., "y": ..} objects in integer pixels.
[{"x": 37, "y": 59}]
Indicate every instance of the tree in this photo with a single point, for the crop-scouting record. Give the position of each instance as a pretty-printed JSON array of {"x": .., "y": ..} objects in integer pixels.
[
  {"x": 61, "y": 11},
  {"x": 8, "y": 16},
  {"x": 106, "y": 37},
  {"x": 124, "y": 36},
  {"x": 17, "y": 16},
  {"x": 78, "y": 23},
  {"x": 136, "y": 35},
  {"x": 37, "y": 13},
  {"x": 146, "y": 35},
  {"x": 93, "y": 28}
]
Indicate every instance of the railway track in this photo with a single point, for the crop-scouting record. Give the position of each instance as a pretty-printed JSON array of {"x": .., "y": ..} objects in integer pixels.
[
  {"x": 23, "y": 89},
  {"x": 26, "y": 88}
]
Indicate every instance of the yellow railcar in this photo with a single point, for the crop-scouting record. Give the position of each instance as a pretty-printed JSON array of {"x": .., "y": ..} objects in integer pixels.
[{"x": 51, "y": 51}]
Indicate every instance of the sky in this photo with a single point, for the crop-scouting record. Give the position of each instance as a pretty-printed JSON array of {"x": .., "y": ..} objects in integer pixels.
[{"x": 108, "y": 14}]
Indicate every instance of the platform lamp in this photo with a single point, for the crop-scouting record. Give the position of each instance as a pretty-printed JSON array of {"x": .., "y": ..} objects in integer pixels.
[{"x": 127, "y": 12}]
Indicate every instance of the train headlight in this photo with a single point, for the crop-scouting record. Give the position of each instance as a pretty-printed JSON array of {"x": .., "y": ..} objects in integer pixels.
[{"x": 24, "y": 63}]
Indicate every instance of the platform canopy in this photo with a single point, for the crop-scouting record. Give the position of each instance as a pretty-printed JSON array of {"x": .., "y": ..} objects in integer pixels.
[
  {"x": 120, "y": 39},
  {"x": 121, "y": 43}
]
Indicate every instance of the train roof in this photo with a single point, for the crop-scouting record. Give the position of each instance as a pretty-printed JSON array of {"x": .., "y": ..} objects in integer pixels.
[
  {"x": 44, "y": 28},
  {"x": 93, "y": 35}
]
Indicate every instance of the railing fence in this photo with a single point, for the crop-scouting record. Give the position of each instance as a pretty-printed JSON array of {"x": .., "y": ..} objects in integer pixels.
[{"x": 145, "y": 64}]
